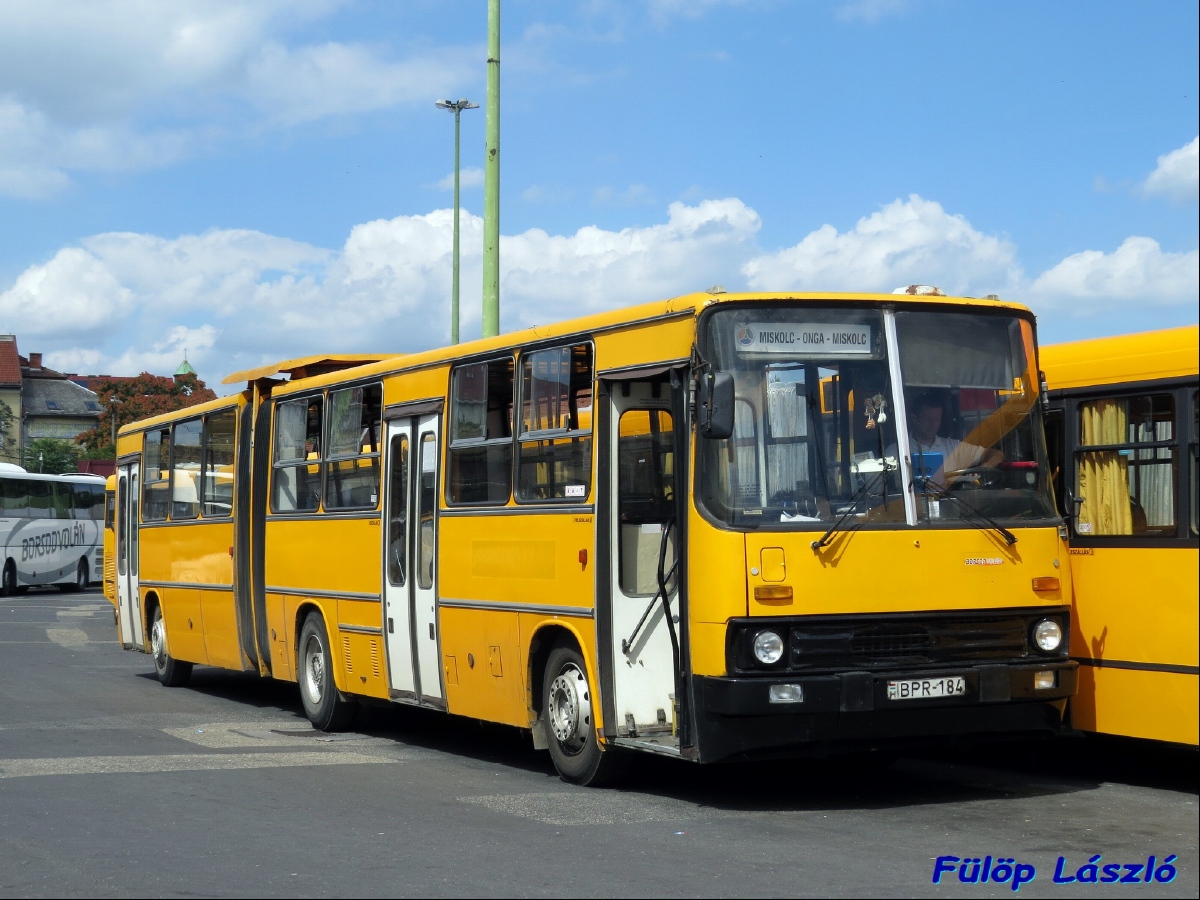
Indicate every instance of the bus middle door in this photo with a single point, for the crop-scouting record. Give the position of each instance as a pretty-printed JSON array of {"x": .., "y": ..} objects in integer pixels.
[{"x": 643, "y": 548}]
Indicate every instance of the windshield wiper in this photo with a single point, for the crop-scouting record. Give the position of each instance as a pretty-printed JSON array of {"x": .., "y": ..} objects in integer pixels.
[
  {"x": 973, "y": 513},
  {"x": 862, "y": 492}
]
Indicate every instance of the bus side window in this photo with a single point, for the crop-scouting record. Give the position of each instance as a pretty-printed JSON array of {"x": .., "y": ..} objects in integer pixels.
[
  {"x": 352, "y": 474},
  {"x": 41, "y": 504},
  {"x": 186, "y": 441},
  {"x": 296, "y": 481},
  {"x": 14, "y": 498},
  {"x": 481, "y": 446},
  {"x": 219, "y": 442},
  {"x": 554, "y": 453},
  {"x": 156, "y": 472},
  {"x": 1194, "y": 448},
  {"x": 1125, "y": 467},
  {"x": 63, "y": 501}
]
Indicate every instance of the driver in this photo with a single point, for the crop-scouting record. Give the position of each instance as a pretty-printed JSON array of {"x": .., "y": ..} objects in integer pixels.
[{"x": 924, "y": 423}]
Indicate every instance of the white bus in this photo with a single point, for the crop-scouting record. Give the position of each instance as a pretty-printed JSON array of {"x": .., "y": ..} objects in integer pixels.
[{"x": 51, "y": 530}]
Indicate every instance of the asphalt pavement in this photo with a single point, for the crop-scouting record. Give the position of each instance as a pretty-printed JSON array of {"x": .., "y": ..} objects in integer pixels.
[{"x": 112, "y": 785}]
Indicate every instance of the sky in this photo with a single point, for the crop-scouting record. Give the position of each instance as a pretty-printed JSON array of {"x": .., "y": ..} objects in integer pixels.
[{"x": 244, "y": 183}]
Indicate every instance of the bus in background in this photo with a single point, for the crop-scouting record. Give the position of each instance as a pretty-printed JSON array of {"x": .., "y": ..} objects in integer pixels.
[
  {"x": 720, "y": 526},
  {"x": 50, "y": 529},
  {"x": 1123, "y": 432},
  {"x": 110, "y": 540}
]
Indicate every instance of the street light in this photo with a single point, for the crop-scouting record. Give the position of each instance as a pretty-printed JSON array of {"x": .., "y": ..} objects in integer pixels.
[{"x": 457, "y": 106}]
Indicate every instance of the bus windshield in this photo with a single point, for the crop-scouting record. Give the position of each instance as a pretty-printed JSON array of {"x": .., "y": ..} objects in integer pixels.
[{"x": 820, "y": 395}]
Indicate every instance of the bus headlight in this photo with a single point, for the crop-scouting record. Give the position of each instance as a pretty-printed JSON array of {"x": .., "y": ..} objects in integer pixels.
[
  {"x": 768, "y": 647},
  {"x": 1048, "y": 635}
]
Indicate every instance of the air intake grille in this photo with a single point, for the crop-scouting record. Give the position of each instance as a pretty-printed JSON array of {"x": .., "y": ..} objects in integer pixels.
[{"x": 909, "y": 645}]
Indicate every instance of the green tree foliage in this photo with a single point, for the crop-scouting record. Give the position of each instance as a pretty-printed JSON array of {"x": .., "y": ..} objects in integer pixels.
[
  {"x": 10, "y": 438},
  {"x": 139, "y": 398},
  {"x": 51, "y": 456}
]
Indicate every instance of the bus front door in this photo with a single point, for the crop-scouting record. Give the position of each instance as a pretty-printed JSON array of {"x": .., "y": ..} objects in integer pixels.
[
  {"x": 642, "y": 547},
  {"x": 129, "y": 605},
  {"x": 410, "y": 564}
]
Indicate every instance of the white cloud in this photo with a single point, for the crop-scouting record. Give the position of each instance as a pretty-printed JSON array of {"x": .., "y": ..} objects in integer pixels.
[
  {"x": 308, "y": 83},
  {"x": 161, "y": 358},
  {"x": 1138, "y": 273},
  {"x": 74, "y": 293},
  {"x": 546, "y": 278},
  {"x": 470, "y": 177},
  {"x": 1177, "y": 176},
  {"x": 120, "y": 302},
  {"x": 240, "y": 298},
  {"x": 906, "y": 242},
  {"x": 96, "y": 85}
]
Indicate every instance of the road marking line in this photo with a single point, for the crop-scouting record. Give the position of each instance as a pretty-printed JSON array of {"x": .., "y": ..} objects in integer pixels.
[{"x": 186, "y": 762}]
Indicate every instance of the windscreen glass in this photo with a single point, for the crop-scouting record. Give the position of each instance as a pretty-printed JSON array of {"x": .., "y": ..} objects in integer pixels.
[
  {"x": 814, "y": 419},
  {"x": 975, "y": 430}
]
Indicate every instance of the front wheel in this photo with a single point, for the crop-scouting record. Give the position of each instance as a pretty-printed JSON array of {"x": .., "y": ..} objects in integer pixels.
[
  {"x": 171, "y": 672},
  {"x": 323, "y": 704},
  {"x": 567, "y": 705},
  {"x": 9, "y": 583}
]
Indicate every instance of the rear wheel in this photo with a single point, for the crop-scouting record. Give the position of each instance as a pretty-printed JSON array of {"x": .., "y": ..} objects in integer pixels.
[
  {"x": 8, "y": 584},
  {"x": 323, "y": 703},
  {"x": 171, "y": 672},
  {"x": 81, "y": 579},
  {"x": 570, "y": 724}
]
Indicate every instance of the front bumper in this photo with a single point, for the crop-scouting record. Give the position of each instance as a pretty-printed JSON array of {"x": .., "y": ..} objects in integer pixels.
[{"x": 735, "y": 717}]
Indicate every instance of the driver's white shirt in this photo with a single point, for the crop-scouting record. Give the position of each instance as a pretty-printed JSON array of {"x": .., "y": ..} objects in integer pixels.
[{"x": 956, "y": 455}]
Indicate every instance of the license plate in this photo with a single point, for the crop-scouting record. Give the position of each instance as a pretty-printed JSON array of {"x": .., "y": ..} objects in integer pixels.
[{"x": 926, "y": 688}]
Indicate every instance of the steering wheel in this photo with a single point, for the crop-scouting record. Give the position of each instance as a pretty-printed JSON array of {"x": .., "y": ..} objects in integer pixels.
[{"x": 974, "y": 477}]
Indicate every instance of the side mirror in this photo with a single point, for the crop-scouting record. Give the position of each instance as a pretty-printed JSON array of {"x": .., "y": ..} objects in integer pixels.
[{"x": 714, "y": 405}]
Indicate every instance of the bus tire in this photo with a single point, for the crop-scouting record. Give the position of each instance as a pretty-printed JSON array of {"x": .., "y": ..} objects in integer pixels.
[
  {"x": 323, "y": 703},
  {"x": 171, "y": 672},
  {"x": 8, "y": 585},
  {"x": 81, "y": 579},
  {"x": 570, "y": 725}
]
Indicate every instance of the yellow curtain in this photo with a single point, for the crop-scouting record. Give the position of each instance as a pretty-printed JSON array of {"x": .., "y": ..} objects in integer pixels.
[{"x": 1104, "y": 475}]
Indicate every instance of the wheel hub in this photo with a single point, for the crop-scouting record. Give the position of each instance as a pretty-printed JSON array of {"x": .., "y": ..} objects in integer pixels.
[
  {"x": 570, "y": 707},
  {"x": 314, "y": 670},
  {"x": 158, "y": 640}
]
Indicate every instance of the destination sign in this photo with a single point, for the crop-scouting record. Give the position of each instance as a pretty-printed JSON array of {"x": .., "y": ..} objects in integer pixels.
[{"x": 804, "y": 339}]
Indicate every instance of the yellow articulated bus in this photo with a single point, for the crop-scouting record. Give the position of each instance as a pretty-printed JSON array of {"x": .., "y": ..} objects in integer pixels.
[
  {"x": 715, "y": 527},
  {"x": 1123, "y": 432}
]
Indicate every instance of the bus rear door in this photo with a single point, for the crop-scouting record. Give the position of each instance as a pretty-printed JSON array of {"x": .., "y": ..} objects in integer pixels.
[{"x": 410, "y": 576}]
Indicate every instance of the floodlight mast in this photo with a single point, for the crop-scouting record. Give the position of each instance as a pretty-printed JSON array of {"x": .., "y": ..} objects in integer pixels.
[
  {"x": 491, "y": 180},
  {"x": 457, "y": 106}
]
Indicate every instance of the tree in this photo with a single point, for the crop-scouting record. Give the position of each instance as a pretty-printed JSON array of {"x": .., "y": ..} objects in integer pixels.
[
  {"x": 51, "y": 456},
  {"x": 10, "y": 439},
  {"x": 128, "y": 400}
]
